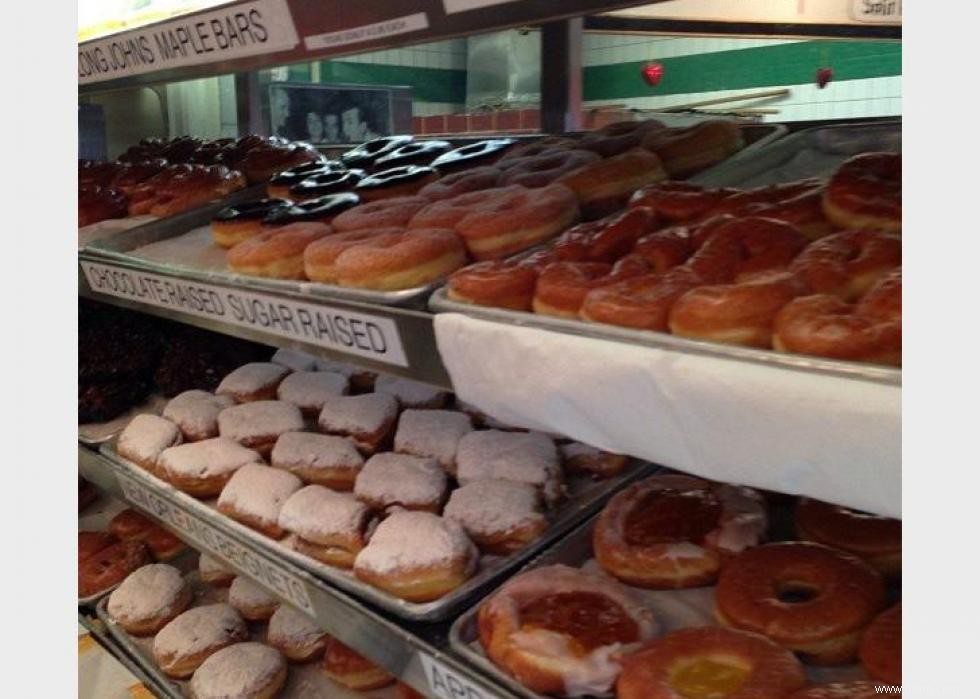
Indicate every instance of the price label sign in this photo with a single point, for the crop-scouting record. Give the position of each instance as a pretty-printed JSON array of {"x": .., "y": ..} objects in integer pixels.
[
  {"x": 877, "y": 11},
  {"x": 368, "y": 32},
  {"x": 447, "y": 683},
  {"x": 215, "y": 542},
  {"x": 362, "y": 334}
]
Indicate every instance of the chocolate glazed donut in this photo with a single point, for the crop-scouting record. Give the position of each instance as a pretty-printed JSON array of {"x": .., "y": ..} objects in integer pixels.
[
  {"x": 326, "y": 183},
  {"x": 321, "y": 210},
  {"x": 483, "y": 152},
  {"x": 395, "y": 182},
  {"x": 279, "y": 184},
  {"x": 367, "y": 153},
  {"x": 415, "y": 153},
  {"x": 233, "y": 224}
]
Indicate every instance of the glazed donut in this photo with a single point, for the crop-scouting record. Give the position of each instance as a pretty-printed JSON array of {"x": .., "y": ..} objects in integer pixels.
[
  {"x": 675, "y": 531},
  {"x": 322, "y": 210},
  {"x": 482, "y": 152},
  {"x": 351, "y": 669},
  {"x": 881, "y": 647},
  {"x": 738, "y": 250},
  {"x": 679, "y": 201},
  {"x": 498, "y": 283},
  {"x": 149, "y": 598},
  {"x": 278, "y": 252},
  {"x": 457, "y": 183},
  {"x": 501, "y": 517},
  {"x": 686, "y": 151},
  {"x": 639, "y": 302},
  {"x": 90, "y": 543},
  {"x": 254, "y": 496},
  {"x": 233, "y": 224},
  {"x": 809, "y": 598},
  {"x": 878, "y": 540},
  {"x": 330, "y": 527},
  {"x": 605, "y": 187},
  {"x": 618, "y": 137},
  {"x": 251, "y": 600},
  {"x": 296, "y": 635},
  {"x": 543, "y": 169},
  {"x": 735, "y": 314},
  {"x": 195, "y": 188},
  {"x": 667, "y": 248},
  {"x": 278, "y": 186},
  {"x": 324, "y": 183},
  {"x": 260, "y": 164},
  {"x": 709, "y": 662},
  {"x": 563, "y": 286},
  {"x": 561, "y": 631},
  {"x": 185, "y": 642},
  {"x": 320, "y": 258},
  {"x": 804, "y": 212},
  {"x": 607, "y": 240},
  {"x": 144, "y": 439},
  {"x": 388, "y": 213},
  {"x": 98, "y": 173},
  {"x": 417, "y": 556},
  {"x": 866, "y": 192},
  {"x": 110, "y": 565},
  {"x": 857, "y": 689},
  {"x": 414, "y": 153},
  {"x": 847, "y": 264},
  {"x": 97, "y": 203},
  {"x": 367, "y": 153},
  {"x": 747, "y": 201},
  {"x": 129, "y": 177},
  {"x": 825, "y": 326},
  {"x": 549, "y": 144},
  {"x": 405, "y": 260},
  {"x": 244, "y": 671},
  {"x": 252, "y": 381}
]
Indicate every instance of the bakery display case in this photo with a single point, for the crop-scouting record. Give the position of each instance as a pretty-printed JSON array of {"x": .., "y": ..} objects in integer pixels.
[{"x": 479, "y": 413}]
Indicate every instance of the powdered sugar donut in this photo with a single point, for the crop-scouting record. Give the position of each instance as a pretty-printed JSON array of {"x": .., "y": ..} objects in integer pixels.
[
  {"x": 296, "y": 635},
  {"x": 149, "y": 598},
  {"x": 331, "y": 527},
  {"x": 389, "y": 480},
  {"x": 411, "y": 394},
  {"x": 196, "y": 413},
  {"x": 242, "y": 671},
  {"x": 254, "y": 496},
  {"x": 253, "y": 381},
  {"x": 319, "y": 458},
  {"x": 203, "y": 468},
  {"x": 258, "y": 424},
  {"x": 432, "y": 433},
  {"x": 188, "y": 640},
  {"x": 500, "y": 516},
  {"x": 294, "y": 359},
  {"x": 309, "y": 390},
  {"x": 214, "y": 572},
  {"x": 521, "y": 457},
  {"x": 145, "y": 438},
  {"x": 367, "y": 419},
  {"x": 251, "y": 600},
  {"x": 417, "y": 556}
]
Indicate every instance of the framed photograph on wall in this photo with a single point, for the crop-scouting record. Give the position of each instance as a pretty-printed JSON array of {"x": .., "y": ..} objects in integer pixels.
[{"x": 337, "y": 114}]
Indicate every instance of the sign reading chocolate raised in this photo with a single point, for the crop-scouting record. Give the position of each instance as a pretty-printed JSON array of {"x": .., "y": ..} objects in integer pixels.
[
  {"x": 235, "y": 31},
  {"x": 363, "y": 334}
]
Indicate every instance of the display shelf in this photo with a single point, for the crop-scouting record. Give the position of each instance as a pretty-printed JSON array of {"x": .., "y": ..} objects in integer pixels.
[{"x": 415, "y": 653}]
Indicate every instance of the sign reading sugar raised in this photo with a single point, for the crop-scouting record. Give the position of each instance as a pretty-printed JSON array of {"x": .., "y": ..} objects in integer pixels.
[
  {"x": 234, "y": 31},
  {"x": 363, "y": 334}
]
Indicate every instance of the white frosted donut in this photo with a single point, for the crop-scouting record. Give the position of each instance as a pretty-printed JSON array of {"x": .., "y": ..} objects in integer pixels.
[
  {"x": 149, "y": 598},
  {"x": 432, "y": 433},
  {"x": 254, "y": 496},
  {"x": 242, "y": 671}
]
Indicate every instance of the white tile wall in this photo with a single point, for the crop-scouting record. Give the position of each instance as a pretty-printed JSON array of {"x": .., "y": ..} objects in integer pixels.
[
  {"x": 448, "y": 54},
  {"x": 601, "y": 49}
]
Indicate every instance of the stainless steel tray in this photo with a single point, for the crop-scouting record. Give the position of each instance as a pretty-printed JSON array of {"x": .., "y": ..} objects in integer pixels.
[
  {"x": 585, "y": 498},
  {"x": 674, "y": 609}
]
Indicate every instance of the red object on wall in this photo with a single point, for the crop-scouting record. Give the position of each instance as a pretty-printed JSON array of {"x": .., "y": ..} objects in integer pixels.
[
  {"x": 824, "y": 76},
  {"x": 653, "y": 73}
]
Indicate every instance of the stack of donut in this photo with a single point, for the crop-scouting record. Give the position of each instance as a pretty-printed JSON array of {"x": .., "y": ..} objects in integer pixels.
[
  {"x": 805, "y": 267},
  {"x": 819, "y": 601}
]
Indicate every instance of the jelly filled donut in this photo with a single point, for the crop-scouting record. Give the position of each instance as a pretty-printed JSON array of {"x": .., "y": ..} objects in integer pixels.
[
  {"x": 866, "y": 192},
  {"x": 881, "y": 647},
  {"x": 387, "y": 213},
  {"x": 323, "y": 183},
  {"x": 329, "y": 526},
  {"x": 676, "y": 531},
  {"x": 454, "y": 184},
  {"x": 278, "y": 252},
  {"x": 279, "y": 184},
  {"x": 499, "y": 516},
  {"x": 481, "y": 153},
  {"x": 709, "y": 662},
  {"x": 322, "y": 210},
  {"x": 809, "y": 598},
  {"x": 367, "y": 153},
  {"x": 254, "y": 496},
  {"x": 878, "y": 540},
  {"x": 233, "y": 224},
  {"x": 251, "y": 600},
  {"x": 414, "y": 153}
]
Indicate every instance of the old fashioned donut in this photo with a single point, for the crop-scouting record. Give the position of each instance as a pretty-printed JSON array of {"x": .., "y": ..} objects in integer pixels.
[
  {"x": 278, "y": 252},
  {"x": 826, "y": 326},
  {"x": 367, "y": 153},
  {"x": 809, "y": 598},
  {"x": 244, "y": 671},
  {"x": 688, "y": 150},
  {"x": 618, "y": 137},
  {"x": 110, "y": 565},
  {"x": 296, "y": 635},
  {"x": 544, "y": 168},
  {"x": 849, "y": 263},
  {"x": 323, "y": 183},
  {"x": 639, "y": 302},
  {"x": 261, "y": 163},
  {"x": 320, "y": 258},
  {"x": 190, "y": 638},
  {"x": 881, "y": 647},
  {"x": 388, "y": 213},
  {"x": 203, "y": 468},
  {"x": 604, "y": 187},
  {"x": 866, "y": 192},
  {"x": 351, "y": 669},
  {"x": 254, "y": 496},
  {"x": 149, "y": 598},
  {"x": 318, "y": 458},
  {"x": 322, "y": 210},
  {"x": 233, "y": 224},
  {"x": 561, "y": 631},
  {"x": 414, "y": 153},
  {"x": 501, "y": 517},
  {"x": 562, "y": 286},
  {"x": 676, "y": 531},
  {"x": 480, "y": 153},
  {"x": 330, "y": 527},
  {"x": 279, "y": 184},
  {"x": 498, "y": 283},
  {"x": 412, "y": 258},
  {"x": 456, "y": 183},
  {"x": 856, "y": 689},
  {"x": 402, "y": 181},
  {"x": 709, "y": 662},
  {"x": 96, "y": 203},
  {"x": 876, "y": 539},
  {"x": 679, "y": 202}
]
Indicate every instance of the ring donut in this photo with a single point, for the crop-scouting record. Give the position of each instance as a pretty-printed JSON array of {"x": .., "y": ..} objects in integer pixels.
[
  {"x": 387, "y": 213},
  {"x": 322, "y": 210},
  {"x": 679, "y": 201},
  {"x": 619, "y": 137},
  {"x": 847, "y": 264},
  {"x": 456, "y": 183},
  {"x": 414, "y": 153},
  {"x": 878, "y": 540},
  {"x": 604, "y": 187},
  {"x": 641, "y": 302},
  {"x": 545, "y": 145},
  {"x": 278, "y": 252},
  {"x": 233, "y": 224},
  {"x": 686, "y": 151},
  {"x": 320, "y": 257},
  {"x": 402, "y": 181},
  {"x": 881, "y": 647},
  {"x": 498, "y": 283},
  {"x": 866, "y": 192},
  {"x": 482, "y": 152},
  {"x": 278, "y": 186},
  {"x": 323, "y": 183},
  {"x": 365, "y": 154},
  {"x": 544, "y": 168},
  {"x": 562, "y": 286},
  {"x": 412, "y": 258}
]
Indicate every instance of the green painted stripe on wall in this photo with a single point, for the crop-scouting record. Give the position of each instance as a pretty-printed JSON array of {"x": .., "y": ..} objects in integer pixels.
[
  {"x": 428, "y": 84},
  {"x": 764, "y": 66}
]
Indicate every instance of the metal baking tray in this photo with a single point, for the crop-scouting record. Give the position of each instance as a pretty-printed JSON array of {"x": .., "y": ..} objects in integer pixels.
[
  {"x": 585, "y": 498},
  {"x": 92, "y": 434},
  {"x": 306, "y": 681},
  {"x": 674, "y": 609}
]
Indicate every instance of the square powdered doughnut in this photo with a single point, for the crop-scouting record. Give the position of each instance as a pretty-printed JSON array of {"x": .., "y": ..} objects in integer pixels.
[
  {"x": 324, "y": 459},
  {"x": 257, "y": 425},
  {"x": 255, "y": 495},
  {"x": 578, "y": 457},
  {"x": 309, "y": 390},
  {"x": 203, "y": 468},
  {"x": 361, "y": 380},
  {"x": 368, "y": 419},
  {"x": 332, "y": 527},
  {"x": 294, "y": 359},
  {"x": 254, "y": 381},
  {"x": 432, "y": 433},
  {"x": 411, "y": 394},
  {"x": 521, "y": 457},
  {"x": 145, "y": 438},
  {"x": 500, "y": 516},
  {"x": 196, "y": 413},
  {"x": 411, "y": 482}
]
